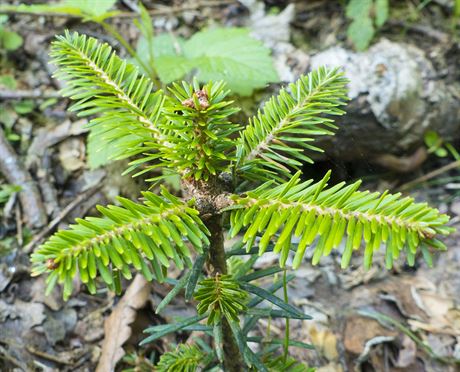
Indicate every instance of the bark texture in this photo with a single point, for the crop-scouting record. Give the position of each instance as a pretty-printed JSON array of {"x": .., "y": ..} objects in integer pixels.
[
  {"x": 210, "y": 197},
  {"x": 16, "y": 174}
]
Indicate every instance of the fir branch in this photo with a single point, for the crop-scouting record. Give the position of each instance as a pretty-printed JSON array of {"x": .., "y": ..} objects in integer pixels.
[
  {"x": 103, "y": 84},
  {"x": 309, "y": 210},
  {"x": 220, "y": 296},
  {"x": 128, "y": 235},
  {"x": 276, "y": 137},
  {"x": 186, "y": 358}
]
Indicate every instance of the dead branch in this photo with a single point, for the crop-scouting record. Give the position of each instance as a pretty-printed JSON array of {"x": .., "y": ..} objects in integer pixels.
[
  {"x": 167, "y": 10},
  {"x": 27, "y": 94},
  {"x": 430, "y": 175},
  {"x": 63, "y": 214},
  {"x": 16, "y": 174},
  {"x": 424, "y": 30}
]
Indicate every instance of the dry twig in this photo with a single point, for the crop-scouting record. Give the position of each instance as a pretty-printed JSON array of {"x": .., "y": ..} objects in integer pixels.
[
  {"x": 16, "y": 174},
  {"x": 52, "y": 225},
  {"x": 403, "y": 164},
  {"x": 430, "y": 175},
  {"x": 27, "y": 94},
  {"x": 47, "y": 356},
  {"x": 424, "y": 30},
  {"x": 167, "y": 10}
]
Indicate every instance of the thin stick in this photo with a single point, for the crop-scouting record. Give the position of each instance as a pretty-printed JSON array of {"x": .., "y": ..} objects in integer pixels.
[
  {"x": 47, "y": 356},
  {"x": 156, "y": 12},
  {"x": 16, "y": 174},
  {"x": 421, "y": 29},
  {"x": 27, "y": 94},
  {"x": 18, "y": 224},
  {"x": 42, "y": 234},
  {"x": 430, "y": 175},
  {"x": 4, "y": 354}
]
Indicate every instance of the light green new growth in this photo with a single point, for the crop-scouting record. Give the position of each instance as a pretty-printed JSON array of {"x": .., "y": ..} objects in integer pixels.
[
  {"x": 275, "y": 139},
  {"x": 102, "y": 84},
  {"x": 186, "y": 358},
  {"x": 221, "y": 296}
]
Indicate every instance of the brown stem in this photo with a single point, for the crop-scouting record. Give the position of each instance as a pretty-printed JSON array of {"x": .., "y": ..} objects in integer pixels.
[
  {"x": 216, "y": 260},
  {"x": 217, "y": 264},
  {"x": 430, "y": 175},
  {"x": 210, "y": 197}
]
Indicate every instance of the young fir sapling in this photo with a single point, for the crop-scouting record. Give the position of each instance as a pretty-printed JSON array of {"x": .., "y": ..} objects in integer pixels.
[{"x": 233, "y": 178}]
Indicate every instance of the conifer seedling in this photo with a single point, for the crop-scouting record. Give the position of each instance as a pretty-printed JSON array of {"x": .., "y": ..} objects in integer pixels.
[{"x": 237, "y": 181}]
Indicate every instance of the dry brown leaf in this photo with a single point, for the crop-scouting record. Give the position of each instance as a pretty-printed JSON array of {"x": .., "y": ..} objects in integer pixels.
[
  {"x": 72, "y": 153},
  {"x": 407, "y": 353},
  {"x": 435, "y": 305},
  {"x": 331, "y": 367},
  {"x": 117, "y": 325},
  {"x": 325, "y": 341},
  {"x": 444, "y": 316},
  {"x": 359, "y": 330},
  {"x": 400, "y": 291},
  {"x": 441, "y": 328}
]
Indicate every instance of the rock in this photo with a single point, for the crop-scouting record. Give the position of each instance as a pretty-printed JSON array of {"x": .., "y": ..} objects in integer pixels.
[
  {"x": 24, "y": 315},
  {"x": 58, "y": 324},
  {"x": 275, "y": 32},
  {"x": 396, "y": 96}
]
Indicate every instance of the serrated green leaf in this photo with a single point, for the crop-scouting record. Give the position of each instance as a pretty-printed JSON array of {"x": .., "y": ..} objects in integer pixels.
[
  {"x": 360, "y": 32},
  {"x": 228, "y": 54},
  {"x": 382, "y": 11},
  {"x": 358, "y": 9}
]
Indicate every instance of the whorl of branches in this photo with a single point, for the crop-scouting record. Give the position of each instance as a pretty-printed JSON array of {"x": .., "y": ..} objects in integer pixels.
[{"x": 220, "y": 296}]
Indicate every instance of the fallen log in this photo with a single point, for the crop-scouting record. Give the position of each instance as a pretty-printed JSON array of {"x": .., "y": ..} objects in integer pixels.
[{"x": 396, "y": 97}]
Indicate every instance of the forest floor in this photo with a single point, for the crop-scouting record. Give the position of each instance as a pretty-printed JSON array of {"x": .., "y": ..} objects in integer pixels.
[{"x": 406, "y": 319}]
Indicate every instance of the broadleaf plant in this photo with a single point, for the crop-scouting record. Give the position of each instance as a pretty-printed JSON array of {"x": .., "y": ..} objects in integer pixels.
[
  {"x": 78, "y": 8},
  {"x": 232, "y": 178},
  {"x": 9, "y": 40},
  {"x": 366, "y": 16},
  {"x": 228, "y": 54}
]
